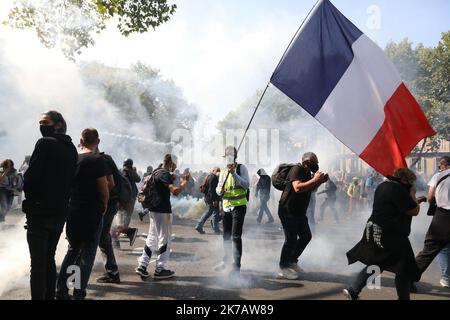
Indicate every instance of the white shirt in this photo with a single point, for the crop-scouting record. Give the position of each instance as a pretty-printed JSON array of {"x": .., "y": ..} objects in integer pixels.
[{"x": 442, "y": 194}]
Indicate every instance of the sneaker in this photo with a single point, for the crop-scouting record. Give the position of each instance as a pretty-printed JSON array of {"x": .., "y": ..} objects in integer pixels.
[
  {"x": 350, "y": 293},
  {"x": 270, "y": 222},
  {"x": 220, "y": 267},
  {"x": 295, "y": 267},
  {"x": 131, "y": 234},
  {"x": 200, "y": 230},
  {"x": 444, "y": 283},
  {"x": 142, "y": 271},
  {"x": 286, "y": 273},
  {"x": 109, "y": 278},
  {"x": 142, "y": 214},
  {"x": 163, "y": 274}
]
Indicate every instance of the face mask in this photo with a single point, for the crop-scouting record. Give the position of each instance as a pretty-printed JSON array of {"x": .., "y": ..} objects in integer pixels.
[
  {"x": 47, "y": 131},
  {"x": 314, "y": 167}
]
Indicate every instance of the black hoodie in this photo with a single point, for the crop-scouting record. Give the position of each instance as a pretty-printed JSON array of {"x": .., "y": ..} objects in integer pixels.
[{"x": 48, "y": 180}]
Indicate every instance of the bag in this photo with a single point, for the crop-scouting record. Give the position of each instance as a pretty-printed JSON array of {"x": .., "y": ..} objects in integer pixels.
[
  {"x": 279, "y": 176},
  {"x": 433, "y": 205},
  {"x": 148, "y": 195},
  {"x": 204, "y": 187}
]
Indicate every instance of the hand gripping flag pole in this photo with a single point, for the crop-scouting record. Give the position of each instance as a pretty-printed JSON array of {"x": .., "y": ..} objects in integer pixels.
[{"x": 268, "y": 83}]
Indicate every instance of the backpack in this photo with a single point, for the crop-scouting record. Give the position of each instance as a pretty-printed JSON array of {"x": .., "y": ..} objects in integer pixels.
[
  {"x": 279, "y": 176},
  {"x": 204, "y": 187},
  {"x": 148, "y": 195}
]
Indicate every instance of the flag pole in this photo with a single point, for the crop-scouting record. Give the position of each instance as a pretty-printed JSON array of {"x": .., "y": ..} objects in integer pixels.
[{"x": 268, "y": 83}]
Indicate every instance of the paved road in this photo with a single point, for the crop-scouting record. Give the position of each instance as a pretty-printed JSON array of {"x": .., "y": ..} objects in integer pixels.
[{"x": 193, "y": 257}]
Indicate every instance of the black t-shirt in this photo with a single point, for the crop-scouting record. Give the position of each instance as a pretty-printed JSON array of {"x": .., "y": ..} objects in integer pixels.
[
  {"x": 296, "y": 204},
  {"x": 85, "y": 192},
  {"x": 163, "y": 178},
  {"x": 114, "y": 193},
  {"x": 391, "y": 201}
]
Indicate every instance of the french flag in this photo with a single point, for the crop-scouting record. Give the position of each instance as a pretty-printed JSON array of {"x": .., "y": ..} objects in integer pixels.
[{"x": 346, "y": 82}]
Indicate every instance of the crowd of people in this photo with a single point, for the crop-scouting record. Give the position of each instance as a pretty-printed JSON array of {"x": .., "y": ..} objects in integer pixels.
[{"x": 87, "y": 193}]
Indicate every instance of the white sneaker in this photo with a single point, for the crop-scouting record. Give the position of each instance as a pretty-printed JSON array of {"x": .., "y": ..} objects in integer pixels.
[
  {"x": 220, "y": 267},
  {"x": 295, "y": 267},
  {"x": 287, "y": 273},
  {"x": 445, "y": 283}
]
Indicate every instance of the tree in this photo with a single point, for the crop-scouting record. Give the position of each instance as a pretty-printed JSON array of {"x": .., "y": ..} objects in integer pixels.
[
  {"x": 71, "y": 24},
  {"x": 426, "y": 71}
]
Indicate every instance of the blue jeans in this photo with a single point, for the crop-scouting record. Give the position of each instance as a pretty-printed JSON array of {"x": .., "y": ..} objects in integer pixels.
[
  {"x": 210, "y": 211},
  {"x": 6, "y": 200},
  {"x": 83, "y": 255},
  {"x": 444, "y": 259},
  {"x": 263, "y": 208}
]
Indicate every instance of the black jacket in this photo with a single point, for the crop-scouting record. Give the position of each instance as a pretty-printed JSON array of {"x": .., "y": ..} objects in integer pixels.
[{"x": 48, "y": 180}]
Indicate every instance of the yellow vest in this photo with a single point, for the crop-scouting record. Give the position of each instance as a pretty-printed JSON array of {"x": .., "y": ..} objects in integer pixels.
[{"x": 234, "y": 194}]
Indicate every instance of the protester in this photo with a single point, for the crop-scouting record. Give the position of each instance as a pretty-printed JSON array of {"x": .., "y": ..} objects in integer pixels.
[
  {"x": 292, "y": 209},
  {"x": 263, "y": 191},
  {"x": 148, "y": 172},
  {"x": 23, "y": 168},
  {"x": 330, "y": 200},
  {"x": 105, "y": 244},
  {"x": 438, "y": 235},
  {"x": 212, "y": 202},
  {"x": 385, "y": 242},
  {"x": 8, "y": 176},
  {"x": 88, "y": 204},
  {"x": 233, "y": 187},
  {"x": 354, "y": 194},
  {"x": 157, "y": 190},
  {"x": 126, "y": 211},
  {"x": 47, "y": 184}
]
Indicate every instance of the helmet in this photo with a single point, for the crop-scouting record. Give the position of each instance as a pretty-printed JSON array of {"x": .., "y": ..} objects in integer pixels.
[{"x": 128, "y": 163}]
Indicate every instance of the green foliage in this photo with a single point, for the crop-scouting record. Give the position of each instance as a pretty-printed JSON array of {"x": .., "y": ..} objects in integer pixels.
[
  {"x": 72, "y": 24},
  {"x": 426, "y": 71}
]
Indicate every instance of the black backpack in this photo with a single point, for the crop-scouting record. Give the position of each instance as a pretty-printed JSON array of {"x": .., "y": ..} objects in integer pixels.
[
  {"x": 148, "y": 195},
  {"x": 279, "y": 176}
]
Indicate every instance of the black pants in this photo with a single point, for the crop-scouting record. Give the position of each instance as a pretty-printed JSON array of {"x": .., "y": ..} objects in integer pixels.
[
  {"x": 232, "y": 230},
  {"x": 430, "y": 250},
  {"x": 105, "y": 243},
  {"x": 402, "y": 284},
  {"x": 297, "y": 236},
  {"x": 42, "y": 240}
]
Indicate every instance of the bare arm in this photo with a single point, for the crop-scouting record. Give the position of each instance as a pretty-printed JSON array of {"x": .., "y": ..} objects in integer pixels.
[
  {"x": 316, "y": 181},
  {"x": 111, "y": 183},
  {"x": 102, "y": 184},
  {"x": 177, "y": 190}
]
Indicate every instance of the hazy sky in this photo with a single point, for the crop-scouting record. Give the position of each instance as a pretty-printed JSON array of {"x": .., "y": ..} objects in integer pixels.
[{"x": 220, "y": 52}]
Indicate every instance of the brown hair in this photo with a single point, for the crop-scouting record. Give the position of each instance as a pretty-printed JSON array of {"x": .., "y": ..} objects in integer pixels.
[
  {"x": 169, "y": 158},
  {"x": 56, "y": 118},
  {"x": 89, "y": 136},
  {"x": 405, "y": 173}
]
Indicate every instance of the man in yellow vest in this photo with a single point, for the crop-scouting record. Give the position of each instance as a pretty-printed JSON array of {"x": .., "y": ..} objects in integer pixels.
[{"x": 233, "y": 186}]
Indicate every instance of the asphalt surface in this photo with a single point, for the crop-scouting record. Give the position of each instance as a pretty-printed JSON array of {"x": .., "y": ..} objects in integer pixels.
[{"x": 194, "y": 256}]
